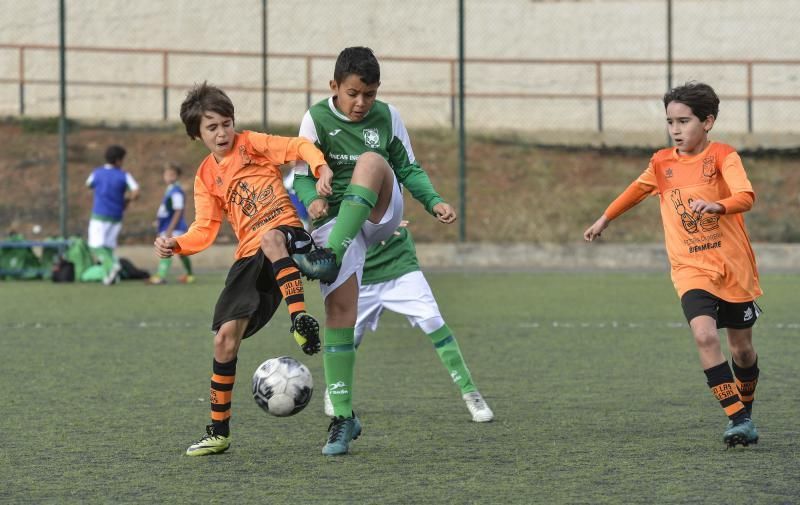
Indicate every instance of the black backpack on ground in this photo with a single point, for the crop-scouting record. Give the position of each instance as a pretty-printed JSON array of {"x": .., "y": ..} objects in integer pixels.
[
  {"x": 63, "y": 271},
  {"x": 130, "y": 272}
]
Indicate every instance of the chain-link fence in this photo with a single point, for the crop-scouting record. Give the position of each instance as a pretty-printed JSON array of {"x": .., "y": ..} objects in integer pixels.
[
  {"x": 582, "y": 65},
  {"x": 562, "y": 71}
]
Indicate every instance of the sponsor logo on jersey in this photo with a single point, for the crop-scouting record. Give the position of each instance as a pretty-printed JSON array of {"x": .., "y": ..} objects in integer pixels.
[
  {"x": 249, "y": 197},
  {"x": 335, "y": 132},
  {"x": 371, "y": 137}
]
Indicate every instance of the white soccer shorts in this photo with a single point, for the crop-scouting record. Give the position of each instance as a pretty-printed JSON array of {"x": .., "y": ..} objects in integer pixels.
[
  {"x": 103, "y": 233},
  {"x": 371, "y": 233},
  {"x": 409, "y": 295}
]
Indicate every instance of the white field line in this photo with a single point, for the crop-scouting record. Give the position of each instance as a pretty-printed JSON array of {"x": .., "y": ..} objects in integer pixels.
[{"x": 522, "y": 325}]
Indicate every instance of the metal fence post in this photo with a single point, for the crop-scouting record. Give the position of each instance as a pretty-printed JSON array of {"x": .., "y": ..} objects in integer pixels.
[
  {"x": 21, "y": 81},
  {"x": 62, "y": 120},
  {"x": 462, "y": 138},
  {"x": 165, "y": 86}
]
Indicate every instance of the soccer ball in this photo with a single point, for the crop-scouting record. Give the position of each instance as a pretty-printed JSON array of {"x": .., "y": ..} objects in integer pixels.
[{"x": 282, "y": 386}]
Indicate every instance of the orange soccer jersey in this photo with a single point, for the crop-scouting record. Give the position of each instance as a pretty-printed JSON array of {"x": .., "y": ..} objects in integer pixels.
[
  {"x": 247, "y": 186},
  {"x": 706, "y": 251}
]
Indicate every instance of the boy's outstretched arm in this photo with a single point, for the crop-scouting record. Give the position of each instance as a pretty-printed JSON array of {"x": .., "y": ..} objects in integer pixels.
[
  {"x": 202, "y": 232},
  {"x": 165, "y": 247},
  {"x": 596, "y": 229},
  {"x": 633, "y": 194}
]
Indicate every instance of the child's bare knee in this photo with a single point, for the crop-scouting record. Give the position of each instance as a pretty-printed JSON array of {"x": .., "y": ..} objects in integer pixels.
[
  {"x": 273, "y": 241},
  {"x": 706, "y": 337},
  {"x": 742, "y": 352},
  {"x": 371, "y": 160}
]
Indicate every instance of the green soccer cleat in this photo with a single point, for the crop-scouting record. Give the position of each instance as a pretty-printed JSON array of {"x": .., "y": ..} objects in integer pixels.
[
  {"x": 741, "y": 434},
  {"x": 305, "y": 330},
  {"x": 340, "y": 432},
  {"x": 211, "y": 443},
  {"x": 318, "y": 264}
]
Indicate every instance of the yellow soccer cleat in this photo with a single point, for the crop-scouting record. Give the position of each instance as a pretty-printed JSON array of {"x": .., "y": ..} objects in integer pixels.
[
  {"x": 305, "y": 330},
  {"x": 211, "y": 443}
]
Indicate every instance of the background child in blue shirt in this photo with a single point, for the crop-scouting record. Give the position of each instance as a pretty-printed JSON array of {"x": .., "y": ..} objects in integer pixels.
[
  {"x": 171, "y": 222},
  {"x": 113, "y": 189}
]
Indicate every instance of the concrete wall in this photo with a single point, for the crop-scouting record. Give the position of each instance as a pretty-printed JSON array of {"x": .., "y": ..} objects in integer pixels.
[
  {"x": 501, "y": 29},
  {"x": 471, "y": 256}
]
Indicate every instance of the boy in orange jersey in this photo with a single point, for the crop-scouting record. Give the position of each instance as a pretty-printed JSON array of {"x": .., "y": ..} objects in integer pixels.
[
  {"x": 241, "y": 179},
  {"x": 703, "y": 190}
]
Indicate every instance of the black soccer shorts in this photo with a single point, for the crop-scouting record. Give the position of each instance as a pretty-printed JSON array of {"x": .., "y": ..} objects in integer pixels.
[
  {"x": 250, "y": 290},
  {"x": 698, "y": 302}
]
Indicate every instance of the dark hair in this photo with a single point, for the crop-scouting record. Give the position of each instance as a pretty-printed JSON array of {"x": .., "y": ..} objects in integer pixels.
[
  {"x": 200, "y": 99},
  {"x": 171, "y": 165},
  {"x": 360, "y": 61},
  {"x": 698, "y": 96},
  {"x": 115, "y": 154}
]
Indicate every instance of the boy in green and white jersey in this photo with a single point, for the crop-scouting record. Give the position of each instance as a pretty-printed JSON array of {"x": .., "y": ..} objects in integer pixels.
[
  {"x": 357, "y": 204},
  {"x": 392, "y": 280}
]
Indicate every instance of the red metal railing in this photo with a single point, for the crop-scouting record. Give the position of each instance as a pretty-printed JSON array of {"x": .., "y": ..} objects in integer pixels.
[{"x": 599, "y": 94}]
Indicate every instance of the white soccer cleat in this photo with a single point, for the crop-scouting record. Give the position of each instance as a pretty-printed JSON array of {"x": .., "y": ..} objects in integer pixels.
[
  {"x": 113, "y": 274},
  {"x": 481, "y": 413},
  {"x": 328, "y": 404}
]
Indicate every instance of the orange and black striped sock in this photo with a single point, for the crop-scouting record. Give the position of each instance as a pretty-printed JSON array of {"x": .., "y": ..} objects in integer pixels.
[
  {"x": 746, "y": 380},
  {"x": 221, "y": 391},
  {"x": 720, "y": 380},
  {"x": 288, "y": 278}
]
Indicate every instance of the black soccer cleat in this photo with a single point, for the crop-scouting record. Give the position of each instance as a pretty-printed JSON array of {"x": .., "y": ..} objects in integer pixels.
[
  {"x": 318, "y": 264},
  {"x": 741, "y": 434}
]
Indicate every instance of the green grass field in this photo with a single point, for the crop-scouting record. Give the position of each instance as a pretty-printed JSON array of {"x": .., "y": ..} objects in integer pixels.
[{"x": 593, "y": 378}]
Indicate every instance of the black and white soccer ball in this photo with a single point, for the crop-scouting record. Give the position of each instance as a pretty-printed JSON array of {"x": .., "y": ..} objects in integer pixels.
[{"x": 282, "y": 386}]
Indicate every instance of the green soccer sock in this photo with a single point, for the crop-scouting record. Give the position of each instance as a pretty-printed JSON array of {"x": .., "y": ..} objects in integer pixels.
[
  {"x": 163, "y": 267},
  {"x": 449, "y": 353},
  {"x": 339, "y": 359},
  {"x": 187, "y": 263},
  {"x": 356, "y": 205}
]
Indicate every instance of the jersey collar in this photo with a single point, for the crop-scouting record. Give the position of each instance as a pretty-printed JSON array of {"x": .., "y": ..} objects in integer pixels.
[
  {"x": 341, "y": 116},
  {"x": 689, "y": 159}
]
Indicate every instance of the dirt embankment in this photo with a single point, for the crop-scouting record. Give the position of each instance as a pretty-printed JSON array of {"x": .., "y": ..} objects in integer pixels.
[{"x": 516, "y": 191}]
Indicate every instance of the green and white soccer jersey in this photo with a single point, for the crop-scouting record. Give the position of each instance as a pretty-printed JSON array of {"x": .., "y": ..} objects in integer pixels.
[
  {"x": 390, "y": 259},
  {"x": 342, "y": 141}
]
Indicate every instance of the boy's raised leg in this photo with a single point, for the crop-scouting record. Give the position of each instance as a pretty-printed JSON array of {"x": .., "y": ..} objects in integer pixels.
[{"x": 367, "y": 197}]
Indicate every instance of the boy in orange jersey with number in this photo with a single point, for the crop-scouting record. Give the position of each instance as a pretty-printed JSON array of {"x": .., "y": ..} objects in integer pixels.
[
  {"x": 241, "y": 180},
  {"x": 703, "y": 190}
]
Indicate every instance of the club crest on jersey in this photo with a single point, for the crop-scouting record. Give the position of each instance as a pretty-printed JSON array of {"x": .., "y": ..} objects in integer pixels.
[
  {"x": 245, "y": 157},
  {"x": 371, "y": 137},
  {"x": 709, "y": 167}
]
